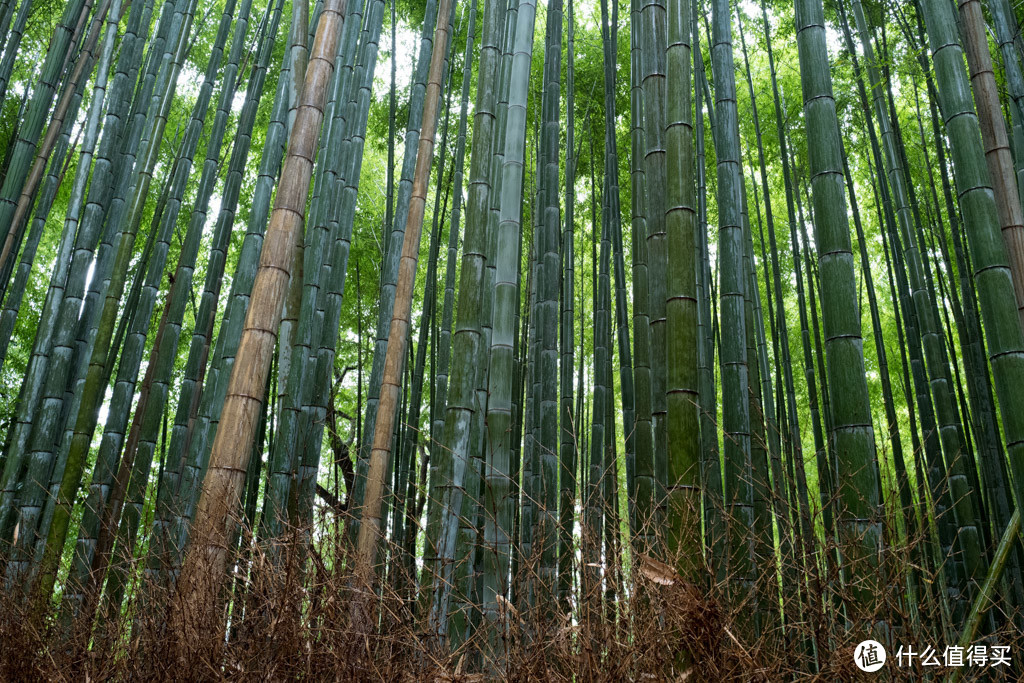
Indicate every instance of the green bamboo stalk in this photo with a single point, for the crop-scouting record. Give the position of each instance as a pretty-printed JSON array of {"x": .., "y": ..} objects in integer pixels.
[
  {"x": 953, "y": 568},
  {"x": 608, "y": 482},
  {"x": 967, "y": 465},
  {"x": 988, "y": 253},
  {"x": 766, "y": 611},
  {"x": 444, "y": 336},
  {"x": 683, "y": 425},
  {"x": 24, "y": 147},
  {"x": 549, "y": 276},
  {"x": 1003, "y": 22},
  {"x": 389, "y": 215},
  {"x": 524, "y": 457},
  {"x": 6, "y": 14},
  {"x": 825, "y": 484},
  {"x": 298, "y": 55},
  {"x": 197, "y": 419},
  {"x": 12, "y": 36},
  {"x": 182, "y": 472},
  {"x": 526, "y": 501},
  {"x": 892, "y": 422},
  {"x": 626, "y": 379},
  {"x": 146, "y": 120},
  {"x": 653, "y": 51},
  {"x": 852, "y": 435},
  {"x": 569, "y": 420},
  {"x": 711, "y": 468},
  {"x": 995, "y": 140},
  {"x": 738, "y": 493},
  {"x": 520, "y": 350},
  {"x": 644, "y": 491},
  {"x": 592, "y": 526},
  {"x": 131, "y": 355},
  {"x": 468, "y": 350},
  {"x": 800, "y": 258},
  {"x": 392, "y": 224}
]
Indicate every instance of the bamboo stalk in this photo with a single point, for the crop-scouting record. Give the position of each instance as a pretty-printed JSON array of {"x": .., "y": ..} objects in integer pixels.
[
  {"x": 400, "y": 321},
  {"x": 232, "y": 445}
]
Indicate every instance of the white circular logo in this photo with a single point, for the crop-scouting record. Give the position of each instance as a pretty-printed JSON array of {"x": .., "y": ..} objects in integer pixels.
[{"x": 869, "y": 655}]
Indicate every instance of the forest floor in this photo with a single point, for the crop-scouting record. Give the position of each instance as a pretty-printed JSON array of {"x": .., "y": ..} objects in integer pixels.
[{"x": 302, "y": 624}]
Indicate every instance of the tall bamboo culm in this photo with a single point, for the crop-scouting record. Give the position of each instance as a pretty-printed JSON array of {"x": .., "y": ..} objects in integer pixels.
[{"x": 232, "y": 445}]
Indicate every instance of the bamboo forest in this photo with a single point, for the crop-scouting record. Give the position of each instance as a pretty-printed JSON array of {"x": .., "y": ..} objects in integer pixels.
[{"x": 466, "y": 340}]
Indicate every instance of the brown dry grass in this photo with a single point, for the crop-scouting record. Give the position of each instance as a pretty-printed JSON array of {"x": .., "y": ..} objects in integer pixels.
[{"x": 294, "y": 623}]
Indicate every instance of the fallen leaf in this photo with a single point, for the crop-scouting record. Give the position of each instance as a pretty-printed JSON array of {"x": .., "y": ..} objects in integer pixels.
[{"x": 657, "y": 571}]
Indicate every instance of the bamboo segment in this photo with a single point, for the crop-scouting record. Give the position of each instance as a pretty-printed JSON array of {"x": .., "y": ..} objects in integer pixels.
[
  {"x": 453, "y": 452},
  {"x": 989, "y": 254},
  {"x": 997, "y": 144},
  {"x": 652, "y": 59},
  {"x": 83, "y": 65},
  {"x": 736, "y": 418},
  {"x": 392, "y": 255},
  {"x": 852, "y": 435},
  {"x": 549, "y": 267},
  {"x": 683, "y": 484},
  {"x": 644, "y": 489},
  {"x": 400, "y": 321},
  {"x": 569, "y": 426},
  {"x": 35, "y": 117},
  {"x": 232, "y": 445},
  {"x": 444, "y": 335}
]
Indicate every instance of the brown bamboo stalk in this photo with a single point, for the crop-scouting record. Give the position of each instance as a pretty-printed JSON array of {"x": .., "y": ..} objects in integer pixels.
[
  {"x": 240, "y": 416},
  {"x": 996, "y": 141},
  {"x": 398, "y": 334}
]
